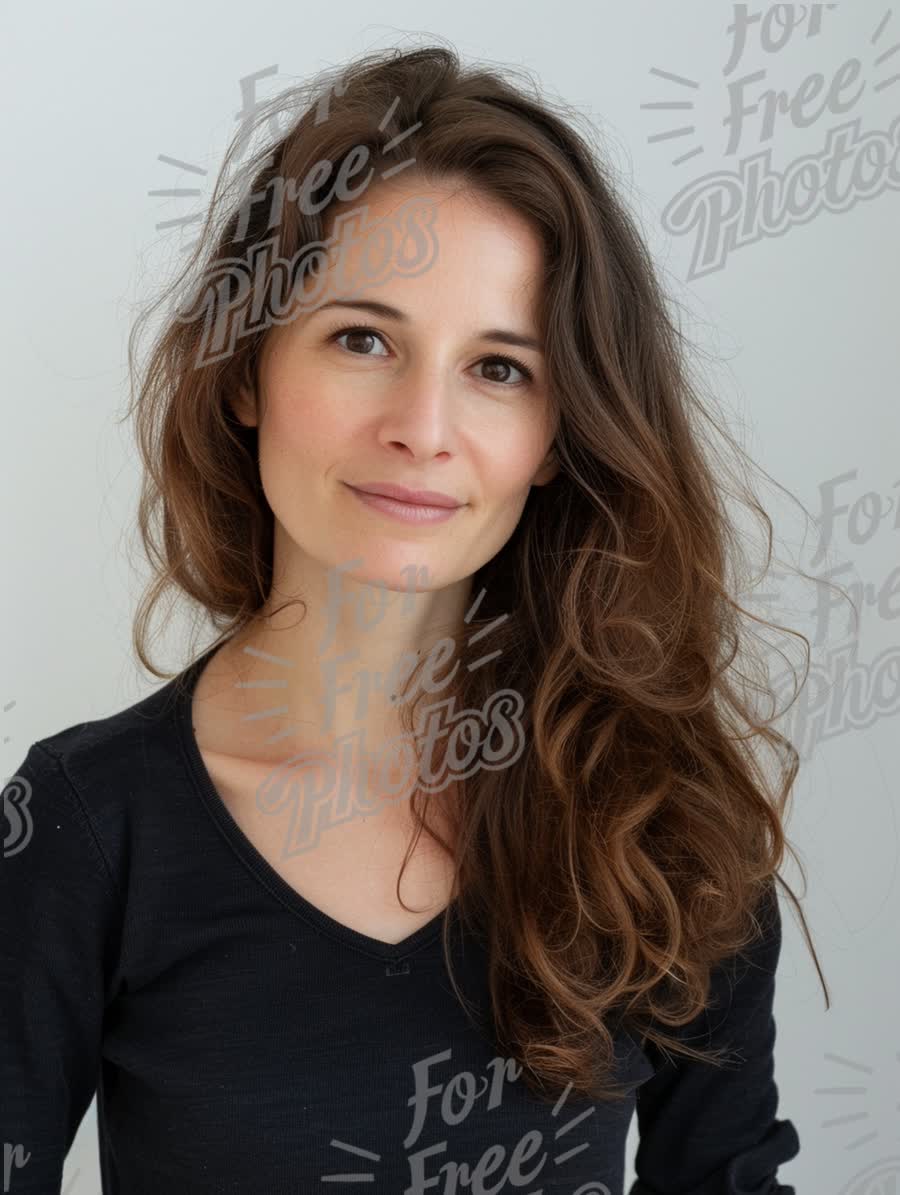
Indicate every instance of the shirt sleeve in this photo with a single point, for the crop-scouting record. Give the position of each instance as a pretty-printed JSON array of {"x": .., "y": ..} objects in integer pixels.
[
  {"x": 58, "y": 909},
  {"x": 712, "y": 1130}
]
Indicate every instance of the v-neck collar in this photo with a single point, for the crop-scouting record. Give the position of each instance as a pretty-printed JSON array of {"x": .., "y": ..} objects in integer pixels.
[{"x": 255, "y": 862}]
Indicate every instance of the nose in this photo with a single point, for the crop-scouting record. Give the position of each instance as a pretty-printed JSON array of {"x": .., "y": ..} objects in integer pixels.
[{"x": 422, "y": 412}]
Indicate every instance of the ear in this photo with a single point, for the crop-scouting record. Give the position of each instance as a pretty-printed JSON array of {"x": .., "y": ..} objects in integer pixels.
[
  {"x": 548, "y": 470},
  {"x": 243, "y": 402}
]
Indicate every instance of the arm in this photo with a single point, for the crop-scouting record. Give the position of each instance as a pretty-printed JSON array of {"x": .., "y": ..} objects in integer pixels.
[
  {"x": 712, "y": 1130},
  {"x": 57, "y": 906}
]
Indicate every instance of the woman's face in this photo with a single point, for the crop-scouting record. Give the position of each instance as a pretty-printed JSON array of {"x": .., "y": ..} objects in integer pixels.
[{"x": 419, "y": 399}]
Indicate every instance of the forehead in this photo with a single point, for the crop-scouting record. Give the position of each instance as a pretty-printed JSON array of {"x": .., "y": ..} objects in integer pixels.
[
  {"x": 457, "y": 203},
  {"x": 482, "y": 253}
]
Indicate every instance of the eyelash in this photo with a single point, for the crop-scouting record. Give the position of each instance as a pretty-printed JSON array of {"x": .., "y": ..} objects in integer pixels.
[{"x": 506, "y": 360}]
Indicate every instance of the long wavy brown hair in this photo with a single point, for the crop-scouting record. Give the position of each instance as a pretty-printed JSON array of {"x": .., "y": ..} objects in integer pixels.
[{"x": 629, "y": 848}]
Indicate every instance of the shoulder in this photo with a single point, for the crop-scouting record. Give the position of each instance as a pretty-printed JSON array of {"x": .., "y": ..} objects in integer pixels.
[
  {"x": 106, "y": 748},
  {"x": 98, "y": 776},
  {"x": 741, "y": 992}
]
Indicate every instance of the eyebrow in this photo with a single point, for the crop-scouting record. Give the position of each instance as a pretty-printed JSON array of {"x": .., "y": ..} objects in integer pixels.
[{"x": 503, "y": 335}]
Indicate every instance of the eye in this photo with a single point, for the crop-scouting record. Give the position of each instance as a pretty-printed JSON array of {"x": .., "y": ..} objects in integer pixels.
[
  {"x": 509, "y": 363},
  {"x": 356, "y": 330},
  {"x": 353, "y": 330}
]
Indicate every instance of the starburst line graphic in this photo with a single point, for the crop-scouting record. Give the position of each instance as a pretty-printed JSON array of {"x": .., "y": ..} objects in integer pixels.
[
  {"x": 851, "y": 1090},
  {"x": 278, "y": 711},
  {"x": 9, "y": 705},
  {"x": 681, "y": 105},
  {"x": 194, "y": 192},
  {"x": 369, "y": 1176}
]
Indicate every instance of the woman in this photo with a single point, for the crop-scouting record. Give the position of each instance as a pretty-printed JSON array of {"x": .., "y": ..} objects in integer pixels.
[{"x": 425, "y": 387}]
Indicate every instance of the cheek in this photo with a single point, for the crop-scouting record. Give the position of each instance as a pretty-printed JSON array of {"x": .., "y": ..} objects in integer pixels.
[
  {"x": 510, "y": 462},
  {"x": 303, "y": 428}
]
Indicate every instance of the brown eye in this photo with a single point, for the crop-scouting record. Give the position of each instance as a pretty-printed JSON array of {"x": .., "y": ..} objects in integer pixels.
[
  {"x": 363, "y": 335},
  {"x": 507, "y": 363},
  {"x": 357, "y": 334}
]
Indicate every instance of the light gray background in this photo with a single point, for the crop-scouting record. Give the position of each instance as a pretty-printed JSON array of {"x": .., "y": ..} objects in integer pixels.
[{"x": 801, "y": 328}]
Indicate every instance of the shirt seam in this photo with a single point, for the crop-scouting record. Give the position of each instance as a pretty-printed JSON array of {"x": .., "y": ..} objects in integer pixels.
[{"x": 109, "y": 876}]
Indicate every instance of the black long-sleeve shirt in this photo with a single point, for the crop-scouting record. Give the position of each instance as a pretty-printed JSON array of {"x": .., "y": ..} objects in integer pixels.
[{"x": 239, "y": 1040}]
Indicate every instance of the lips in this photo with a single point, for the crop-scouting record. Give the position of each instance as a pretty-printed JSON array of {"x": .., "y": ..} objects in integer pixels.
[{"x": 413, "y": 497}]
